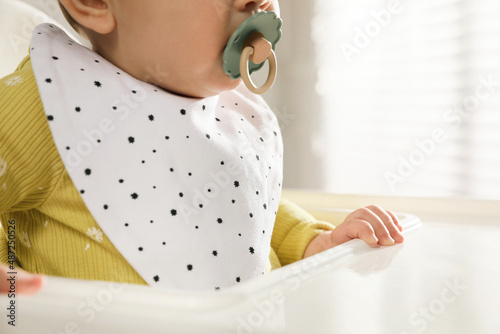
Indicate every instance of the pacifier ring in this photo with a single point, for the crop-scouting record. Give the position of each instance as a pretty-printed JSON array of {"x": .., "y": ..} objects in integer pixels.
[
  {"x": 245, "y": 72},
  {"x": 248, "y": 48}
]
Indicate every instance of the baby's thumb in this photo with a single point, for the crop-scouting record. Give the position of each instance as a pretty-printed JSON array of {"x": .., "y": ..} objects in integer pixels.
[{"x": 361, "y": 229}]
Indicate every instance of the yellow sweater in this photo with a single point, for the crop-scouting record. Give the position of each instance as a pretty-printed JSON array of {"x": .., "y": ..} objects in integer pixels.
[{"x": 53, "y": 226}]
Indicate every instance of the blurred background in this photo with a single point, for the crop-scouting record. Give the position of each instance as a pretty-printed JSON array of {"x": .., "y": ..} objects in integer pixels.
[
  {"x": 391, "y": 97},
  {"x": 396, "y": 98}
]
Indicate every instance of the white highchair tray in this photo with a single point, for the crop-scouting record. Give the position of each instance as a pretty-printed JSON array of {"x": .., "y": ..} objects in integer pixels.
[{"x": 435, "y": 282}]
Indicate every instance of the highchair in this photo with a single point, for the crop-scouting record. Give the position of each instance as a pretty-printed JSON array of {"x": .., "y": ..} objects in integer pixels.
[{"x": 443, "y": 279}]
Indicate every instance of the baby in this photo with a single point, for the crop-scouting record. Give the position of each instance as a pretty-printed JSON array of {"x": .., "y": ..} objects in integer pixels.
[{"x": 141, "y": 161}]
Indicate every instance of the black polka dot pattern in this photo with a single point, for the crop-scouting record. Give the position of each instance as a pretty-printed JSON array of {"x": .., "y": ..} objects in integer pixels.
[{"x": 186, "y": 189}]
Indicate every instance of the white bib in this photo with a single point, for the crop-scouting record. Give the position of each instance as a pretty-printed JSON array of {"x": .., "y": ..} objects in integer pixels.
[{"x": 186, "y": 189}]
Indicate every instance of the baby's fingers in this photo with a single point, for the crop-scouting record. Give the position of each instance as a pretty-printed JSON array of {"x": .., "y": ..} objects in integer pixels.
[
  {"x": 389, "y": 221},
  {"x": 27, "y": 283},
  {"x": 21, "y": 282},
  {"x": 381, "y": 232},
  {"x": 395, "y": 220}
]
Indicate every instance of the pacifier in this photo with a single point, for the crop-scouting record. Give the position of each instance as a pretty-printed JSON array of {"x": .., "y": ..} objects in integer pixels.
[{"x": 248, "y": 48}]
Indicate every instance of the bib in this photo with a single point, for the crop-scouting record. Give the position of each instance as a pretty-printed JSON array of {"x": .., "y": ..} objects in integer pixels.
[{"x": 186, "y": 189}]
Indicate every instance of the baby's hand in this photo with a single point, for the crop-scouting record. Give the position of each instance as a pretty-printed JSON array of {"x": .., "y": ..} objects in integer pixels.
[
  {"x": 25, "y": 283},
  {"x": 371, "y": 224}
]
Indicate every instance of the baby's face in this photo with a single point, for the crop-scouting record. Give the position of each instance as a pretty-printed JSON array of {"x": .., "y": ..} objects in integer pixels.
[{"x": 178, "y": 44}]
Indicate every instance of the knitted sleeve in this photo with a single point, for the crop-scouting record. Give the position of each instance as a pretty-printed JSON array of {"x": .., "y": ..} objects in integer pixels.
[
  {"x": 293, "y": 231},
  {"x": 27, "y": 170}
]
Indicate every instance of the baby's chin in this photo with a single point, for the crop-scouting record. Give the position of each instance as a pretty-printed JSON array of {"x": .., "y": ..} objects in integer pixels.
[
  {"x": 212, "y": 87},
  {"x": 201, "y": 87},
  {"x": 224, "y": 85}
]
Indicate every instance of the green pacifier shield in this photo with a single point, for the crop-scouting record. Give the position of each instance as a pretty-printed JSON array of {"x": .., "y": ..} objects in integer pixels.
[{"x": 266, "y": 23}]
